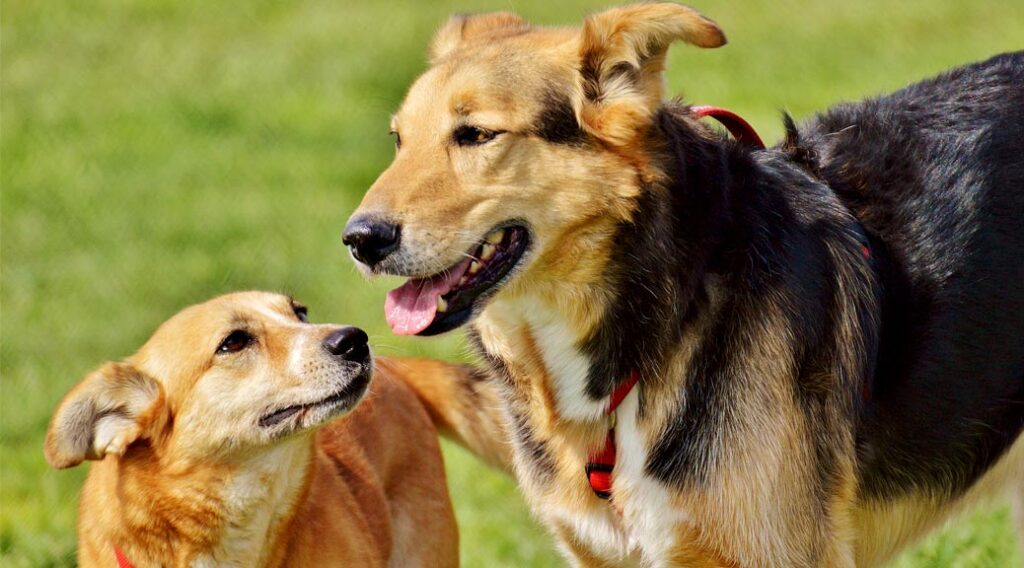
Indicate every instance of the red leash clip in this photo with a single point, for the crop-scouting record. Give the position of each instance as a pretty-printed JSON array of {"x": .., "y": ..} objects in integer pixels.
[{"x": 600, "y": 465}]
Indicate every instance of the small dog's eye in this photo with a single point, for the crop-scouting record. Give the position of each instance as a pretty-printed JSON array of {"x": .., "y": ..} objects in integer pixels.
[
  {"x": 398, "y": 139},
  {"x": 301, "y": 312},
  {"x": 472, "y": 136},
  {"x": 235, "y": 341}
]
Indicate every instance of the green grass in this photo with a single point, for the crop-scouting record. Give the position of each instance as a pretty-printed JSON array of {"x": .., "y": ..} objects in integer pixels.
[{"x": 158, "y": 152}]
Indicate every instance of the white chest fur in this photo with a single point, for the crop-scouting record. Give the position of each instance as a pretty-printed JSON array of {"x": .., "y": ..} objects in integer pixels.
[
  {"x": 641, "y": 526},
  {"x": 568, "y": 368},
  {"x": 645, "y": 523},
  {"x": 648, "y": 509},
  {"x": 256, "y": 499}
]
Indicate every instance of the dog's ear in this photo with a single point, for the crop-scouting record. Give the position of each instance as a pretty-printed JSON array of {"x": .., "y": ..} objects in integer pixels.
[
  {"x": 466, "y": 27},
  {"x": 622, "y": 57},
  {"x": 110, "y": 409}
]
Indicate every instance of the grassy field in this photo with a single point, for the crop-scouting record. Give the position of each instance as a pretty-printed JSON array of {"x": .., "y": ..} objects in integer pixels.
[{"x": 158, "y": 152}]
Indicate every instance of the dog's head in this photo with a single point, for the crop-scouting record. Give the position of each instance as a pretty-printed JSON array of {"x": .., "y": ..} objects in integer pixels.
[
  {"x": 517, "y": 154},
  {"x": 231, "y": 375}
]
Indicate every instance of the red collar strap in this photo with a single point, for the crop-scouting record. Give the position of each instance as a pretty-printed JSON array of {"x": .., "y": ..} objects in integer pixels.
[
  {"x": 600, "y": 465},
  {"x": 122, "y": 560},
  {"x": 739, "y": 128}
]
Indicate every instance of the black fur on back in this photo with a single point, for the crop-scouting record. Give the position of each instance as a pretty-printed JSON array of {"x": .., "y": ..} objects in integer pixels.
[{"x": 935, "y": 173}]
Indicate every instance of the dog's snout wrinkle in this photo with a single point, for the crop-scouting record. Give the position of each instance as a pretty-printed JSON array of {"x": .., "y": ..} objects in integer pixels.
[{"x": 372, "y": 240}]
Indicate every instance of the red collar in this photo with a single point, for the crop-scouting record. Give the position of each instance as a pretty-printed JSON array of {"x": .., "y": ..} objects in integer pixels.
[
  {"x": 600, "y": 465},
  {"x": 739, "y": 128},
  {"x": 122, "y": 560}
]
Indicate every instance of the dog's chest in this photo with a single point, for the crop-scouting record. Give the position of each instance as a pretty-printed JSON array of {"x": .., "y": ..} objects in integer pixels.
[
  {"x": 643, "y": 521},
  {"x": 652, "y": 513},
  {"x": 554, "y": 343}
]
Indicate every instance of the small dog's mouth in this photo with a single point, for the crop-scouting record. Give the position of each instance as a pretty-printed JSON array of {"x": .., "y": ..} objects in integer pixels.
[
  {"x": 444, "y": 301},
  {"x": 312, "y": 413}
]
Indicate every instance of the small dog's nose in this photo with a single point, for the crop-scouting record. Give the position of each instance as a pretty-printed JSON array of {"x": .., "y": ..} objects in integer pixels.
[
  {"x": 371, "y": 240},
  {"x": 349, "y": 343}
]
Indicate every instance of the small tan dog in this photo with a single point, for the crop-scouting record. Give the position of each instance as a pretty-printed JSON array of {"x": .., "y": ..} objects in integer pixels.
[{"x": 215, "y": 447}]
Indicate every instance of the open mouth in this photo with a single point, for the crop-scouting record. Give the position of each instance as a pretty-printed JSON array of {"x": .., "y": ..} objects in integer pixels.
[
  {"x": 316, "y": 412},
  {"x": 444, "y": 301}
]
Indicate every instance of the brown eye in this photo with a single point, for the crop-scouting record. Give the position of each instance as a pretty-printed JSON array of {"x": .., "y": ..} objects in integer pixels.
[
  {"x": 301, "y": 312},
  {"x": 472, "y": 136},
  {"x": 235, "y": 341},
  {"x": 398, "y": 139}
]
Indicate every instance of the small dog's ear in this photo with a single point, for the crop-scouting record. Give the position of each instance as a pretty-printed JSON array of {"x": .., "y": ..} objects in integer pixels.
[
  {"x": 622, "y": 59},
  {"x": 112, "y": 408},
  {"x": 462, "y": 28}
]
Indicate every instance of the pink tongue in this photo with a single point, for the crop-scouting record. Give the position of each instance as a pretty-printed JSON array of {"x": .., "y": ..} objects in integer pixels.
[{"x": 410, "y": 308}]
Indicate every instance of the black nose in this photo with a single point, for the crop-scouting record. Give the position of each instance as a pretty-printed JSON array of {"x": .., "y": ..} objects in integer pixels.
[
  {"x": 371, "y": 240},
  {"x": 348, "y": 343}
]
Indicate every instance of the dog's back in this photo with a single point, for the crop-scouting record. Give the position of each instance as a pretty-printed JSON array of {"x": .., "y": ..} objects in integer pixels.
[{"x": 935, "y": 174}]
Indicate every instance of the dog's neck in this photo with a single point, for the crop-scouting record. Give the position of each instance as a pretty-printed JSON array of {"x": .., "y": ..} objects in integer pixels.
[
  {"x": 198, "y": 514},
  {"x": 260, "y": 500},
  {"x": 535, "y": 342},
  {"x": 589, "y": 336}
]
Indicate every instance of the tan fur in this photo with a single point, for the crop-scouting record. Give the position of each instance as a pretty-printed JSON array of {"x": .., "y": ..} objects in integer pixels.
[
  {"x": 460, "y": 30},
  {"x": 885, "y": 528},
  {"x": 637, "y": 36},
  {"x": 186, "y": 476}
]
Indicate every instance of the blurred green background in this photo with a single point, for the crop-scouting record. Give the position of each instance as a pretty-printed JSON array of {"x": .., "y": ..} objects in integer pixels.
[{"x": 155, "y": 153}]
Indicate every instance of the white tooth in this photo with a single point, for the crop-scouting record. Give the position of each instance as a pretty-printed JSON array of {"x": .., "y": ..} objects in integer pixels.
[
  {"x": 442, "y": 306},
  {"x": 463, "y": 280},
  {"x": 496, "y": 237},
  {"x": 474, "y": 267},
  {"x": 487, "y": 251}
]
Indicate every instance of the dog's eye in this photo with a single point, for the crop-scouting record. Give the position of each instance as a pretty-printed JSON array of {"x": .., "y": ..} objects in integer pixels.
[
  {"x": 398, "y": 139},
  {"x": 472, "y": 136},
  {"x": 235, "y": 341},
  {"x": 301, "y": 312}
]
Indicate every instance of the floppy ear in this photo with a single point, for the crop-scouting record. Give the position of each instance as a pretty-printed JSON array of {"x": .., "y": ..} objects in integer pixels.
[
  {"x": 466, "y": 27},
  {"x": 114, "y": 406},
  {"x": 622, "y": 57}
]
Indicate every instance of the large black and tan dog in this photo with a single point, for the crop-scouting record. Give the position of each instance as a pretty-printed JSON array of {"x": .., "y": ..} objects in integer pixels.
[{"x": 827, "y": 335}]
